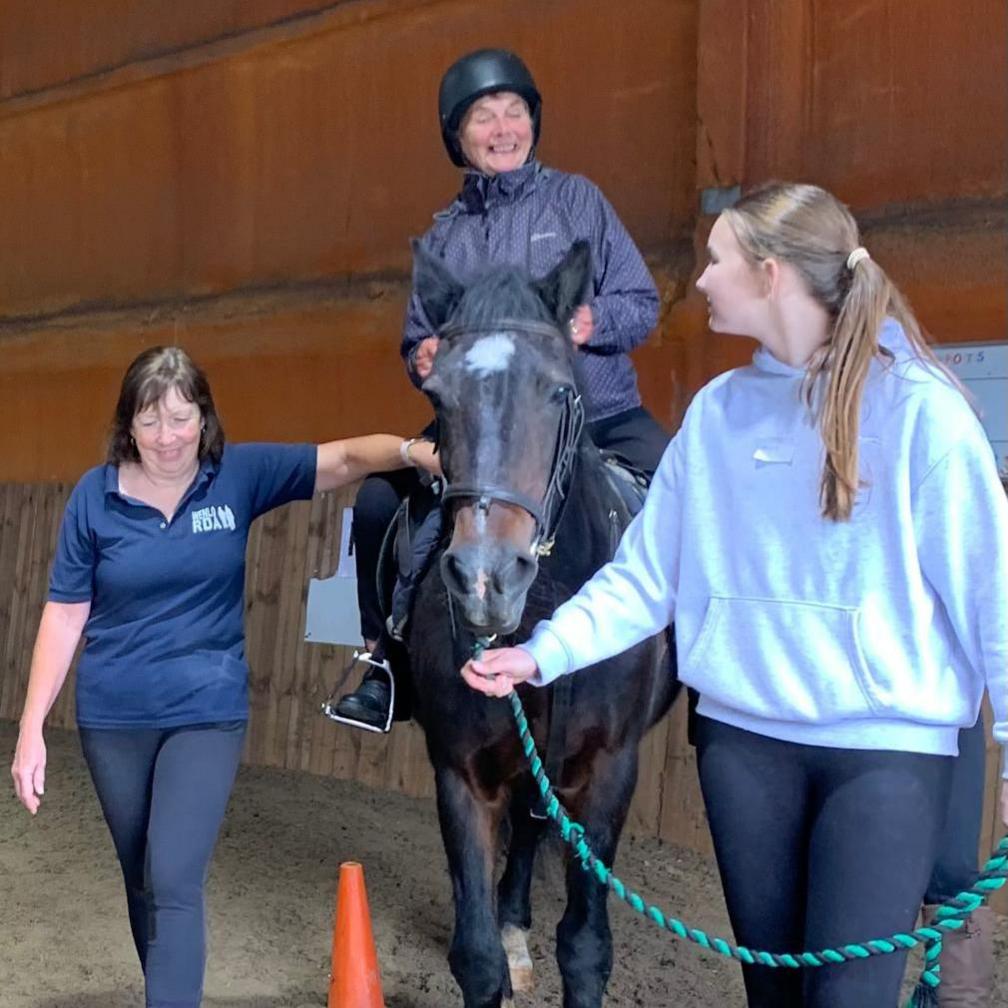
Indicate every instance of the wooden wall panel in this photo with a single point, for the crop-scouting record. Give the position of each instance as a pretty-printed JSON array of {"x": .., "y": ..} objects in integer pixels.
[
  {"x": 46, "y": 43},
  {"x": 899, "y": 109},
  {"x": 316, "y": 154},
  {"x": 305, "y": 368},
  {"x": 888, "y": 103}
]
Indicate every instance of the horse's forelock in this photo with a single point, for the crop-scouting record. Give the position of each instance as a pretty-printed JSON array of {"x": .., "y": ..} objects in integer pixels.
[
  {"x": 505, "y": 294},
  {"x": 501, "y": 294}
]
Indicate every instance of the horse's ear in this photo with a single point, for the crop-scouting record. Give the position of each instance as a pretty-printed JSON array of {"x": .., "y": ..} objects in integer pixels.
[
  {"x": 568, "y": 284},
  {"x": 438, "y": 290}
]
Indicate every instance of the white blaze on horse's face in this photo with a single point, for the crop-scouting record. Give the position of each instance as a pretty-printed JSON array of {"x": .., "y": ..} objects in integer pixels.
[{"x": 489, "y": 355}]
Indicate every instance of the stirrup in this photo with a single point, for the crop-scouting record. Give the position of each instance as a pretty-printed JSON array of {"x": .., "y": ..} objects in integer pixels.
[{"x": 375, "y": 665}]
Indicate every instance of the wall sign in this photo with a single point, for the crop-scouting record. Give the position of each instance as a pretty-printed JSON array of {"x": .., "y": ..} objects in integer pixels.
[{"x": 983, "y": 369}]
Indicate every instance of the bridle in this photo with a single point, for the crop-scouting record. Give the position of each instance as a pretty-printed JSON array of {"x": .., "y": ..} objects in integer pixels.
[{"x": 548, "y": 513}]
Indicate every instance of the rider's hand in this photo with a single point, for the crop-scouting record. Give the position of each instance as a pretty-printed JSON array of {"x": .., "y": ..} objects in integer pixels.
[
  {"x": 423, "y": 359},
  {"x": 498, "y": 672},
  {"x": 28, "y": 769},
  {"x": 582, "y": 325}
]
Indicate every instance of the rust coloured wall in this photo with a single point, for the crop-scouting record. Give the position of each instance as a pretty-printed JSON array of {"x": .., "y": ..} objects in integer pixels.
[
  {"x": 162, "y": 168},
  {"x": 900, "y": 109},
  {"x": 292, "y": 160}
]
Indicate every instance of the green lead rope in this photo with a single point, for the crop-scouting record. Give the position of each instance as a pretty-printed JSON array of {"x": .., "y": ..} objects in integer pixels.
[{"x": 950, "y": 916}]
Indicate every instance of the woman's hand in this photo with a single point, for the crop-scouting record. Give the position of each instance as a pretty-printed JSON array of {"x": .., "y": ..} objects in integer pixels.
[
  {"x": 423, "y": 359},
  {"x": 28, "y": 769},
  {"x": 498, "y": 672},
  {"x": 582, "y": 325}
]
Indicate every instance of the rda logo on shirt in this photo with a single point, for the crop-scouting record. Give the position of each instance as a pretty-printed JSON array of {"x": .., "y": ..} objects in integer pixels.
[{"x": 213, "y": 519}]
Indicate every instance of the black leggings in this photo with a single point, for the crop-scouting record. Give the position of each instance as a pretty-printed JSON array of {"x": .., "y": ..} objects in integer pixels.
[
  {"x": 634, "y": 433},
  {"x": 164, "y": 792},
  {"x": 819, "y": 848},
  {"x": 956, "y": 867}
]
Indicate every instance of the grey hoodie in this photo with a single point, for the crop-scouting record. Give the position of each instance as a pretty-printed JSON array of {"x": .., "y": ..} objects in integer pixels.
[{"x": 880, "y": 632}]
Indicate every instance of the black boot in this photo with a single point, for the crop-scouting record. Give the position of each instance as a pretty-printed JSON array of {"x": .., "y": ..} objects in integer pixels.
[{"x": 370, "y": 706}]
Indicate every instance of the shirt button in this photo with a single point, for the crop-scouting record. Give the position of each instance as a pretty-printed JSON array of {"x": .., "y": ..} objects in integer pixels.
[{"x": 164, "y": 524}]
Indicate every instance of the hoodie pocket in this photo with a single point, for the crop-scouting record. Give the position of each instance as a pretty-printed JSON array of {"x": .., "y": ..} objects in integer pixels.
[{"x": 782, "y": 660}]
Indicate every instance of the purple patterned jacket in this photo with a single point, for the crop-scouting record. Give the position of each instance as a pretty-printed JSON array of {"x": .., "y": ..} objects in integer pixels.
[{"x": 530, "y": 217}]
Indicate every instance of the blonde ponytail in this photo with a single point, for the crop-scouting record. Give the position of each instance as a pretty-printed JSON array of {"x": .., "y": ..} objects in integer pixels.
[{"x": 843, "y": 365}]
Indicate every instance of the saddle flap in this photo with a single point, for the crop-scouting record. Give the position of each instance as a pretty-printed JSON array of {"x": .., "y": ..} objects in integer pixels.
[{"x": 630, "y": 483}]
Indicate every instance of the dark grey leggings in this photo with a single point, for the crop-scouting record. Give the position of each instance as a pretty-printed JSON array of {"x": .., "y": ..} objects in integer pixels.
[
  {"x": 818, "y": 848},
  {"x": 956, "y": 868},
  {"x": 164, "y": 792}
]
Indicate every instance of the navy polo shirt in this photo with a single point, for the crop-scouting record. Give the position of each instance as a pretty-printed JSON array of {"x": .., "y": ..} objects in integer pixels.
[{"x": 164, "y": 642}]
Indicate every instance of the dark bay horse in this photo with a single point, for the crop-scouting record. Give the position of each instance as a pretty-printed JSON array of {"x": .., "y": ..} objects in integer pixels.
[{"x": 531, "y": 515}]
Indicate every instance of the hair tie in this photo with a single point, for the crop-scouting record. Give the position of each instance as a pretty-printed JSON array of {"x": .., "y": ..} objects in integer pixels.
[{"x": 856, "y": 256}]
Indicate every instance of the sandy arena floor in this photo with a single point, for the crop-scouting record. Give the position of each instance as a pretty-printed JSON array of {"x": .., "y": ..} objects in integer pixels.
[{"x": 67, "y": 942}]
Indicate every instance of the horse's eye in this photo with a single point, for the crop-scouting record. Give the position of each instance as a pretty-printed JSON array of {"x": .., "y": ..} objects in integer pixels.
[{"x": 560, "y": 392}]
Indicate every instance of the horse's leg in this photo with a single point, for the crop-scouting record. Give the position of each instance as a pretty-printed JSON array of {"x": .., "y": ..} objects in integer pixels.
[
  {"x": 514, "y": 907},
  {"x": 584, "y": 941},
  {"x": 469, "y": 831}
]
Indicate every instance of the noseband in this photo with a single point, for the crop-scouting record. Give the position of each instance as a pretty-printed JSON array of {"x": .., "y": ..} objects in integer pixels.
[{"x": 547, "y": 514}]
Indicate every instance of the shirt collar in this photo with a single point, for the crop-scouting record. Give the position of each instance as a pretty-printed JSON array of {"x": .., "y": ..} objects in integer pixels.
[
  {"x": 205, "y": 473},
  {"x": 480, "y": 191}
]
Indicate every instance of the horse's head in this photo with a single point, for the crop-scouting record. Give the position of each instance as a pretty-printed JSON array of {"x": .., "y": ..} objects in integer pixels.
[{"x": 509, "y": 418}]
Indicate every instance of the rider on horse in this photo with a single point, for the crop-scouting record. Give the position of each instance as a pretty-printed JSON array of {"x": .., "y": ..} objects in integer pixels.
[{"x": 513, "y": 210}]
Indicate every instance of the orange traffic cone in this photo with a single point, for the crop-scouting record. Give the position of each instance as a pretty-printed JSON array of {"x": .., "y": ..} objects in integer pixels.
[{"x": 355, "y": 981}]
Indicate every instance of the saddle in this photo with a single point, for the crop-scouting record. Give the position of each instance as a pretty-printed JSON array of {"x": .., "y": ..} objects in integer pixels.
[{"x": 628, "y": 481}]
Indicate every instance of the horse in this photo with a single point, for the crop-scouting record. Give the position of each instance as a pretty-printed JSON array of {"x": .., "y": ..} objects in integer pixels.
[{"x": 529, "y": 515}]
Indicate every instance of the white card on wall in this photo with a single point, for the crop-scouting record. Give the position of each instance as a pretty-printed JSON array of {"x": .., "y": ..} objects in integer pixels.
[{"x": 332, "y": 615}]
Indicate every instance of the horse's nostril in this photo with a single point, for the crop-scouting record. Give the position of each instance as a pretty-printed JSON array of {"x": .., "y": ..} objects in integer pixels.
[
  {"x": 527, "y": 565},
  {"x": 516, "y": 575}
]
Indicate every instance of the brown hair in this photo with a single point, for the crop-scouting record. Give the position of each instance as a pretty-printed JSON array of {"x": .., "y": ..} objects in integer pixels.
[
  {"x": 814, "y": 232},
  {"x": 146, "y": 380}
]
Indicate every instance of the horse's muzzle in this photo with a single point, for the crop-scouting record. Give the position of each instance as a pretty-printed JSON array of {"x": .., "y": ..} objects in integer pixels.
[{"x": 488, "y": 583}]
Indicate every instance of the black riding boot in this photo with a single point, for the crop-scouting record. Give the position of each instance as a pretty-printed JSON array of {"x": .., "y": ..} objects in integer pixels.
[{"x": 383, "y": 695}]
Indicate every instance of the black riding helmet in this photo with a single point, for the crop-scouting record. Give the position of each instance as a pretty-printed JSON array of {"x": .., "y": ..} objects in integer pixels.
[{"x": 474, "y": 75}]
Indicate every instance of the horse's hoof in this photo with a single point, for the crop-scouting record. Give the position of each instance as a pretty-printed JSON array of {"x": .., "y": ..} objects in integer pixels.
[{"x": 515, "y": 942}]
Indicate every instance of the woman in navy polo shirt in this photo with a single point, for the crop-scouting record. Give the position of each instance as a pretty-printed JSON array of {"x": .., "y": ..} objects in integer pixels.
[{"x": 150, "y": 568}]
